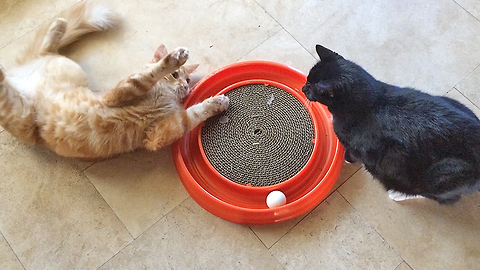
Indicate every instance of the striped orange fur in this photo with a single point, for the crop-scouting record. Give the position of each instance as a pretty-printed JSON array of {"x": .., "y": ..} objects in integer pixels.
[{"x": 45, "y": 100}]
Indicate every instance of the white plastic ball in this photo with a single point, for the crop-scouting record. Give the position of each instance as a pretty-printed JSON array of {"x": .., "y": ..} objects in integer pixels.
[{"x": 276, "y": 198}]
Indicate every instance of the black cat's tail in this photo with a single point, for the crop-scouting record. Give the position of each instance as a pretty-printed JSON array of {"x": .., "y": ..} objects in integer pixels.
[{"x": 85, "y": 17}]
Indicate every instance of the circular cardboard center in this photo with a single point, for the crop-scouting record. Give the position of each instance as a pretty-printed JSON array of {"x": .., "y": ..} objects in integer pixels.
[{"x": 264, "y": 138}]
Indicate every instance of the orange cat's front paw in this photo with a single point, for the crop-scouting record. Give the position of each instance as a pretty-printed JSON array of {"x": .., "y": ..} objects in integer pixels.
[
  {"x": 217, "y": 104},
  {"x": 176, "y": 58}
]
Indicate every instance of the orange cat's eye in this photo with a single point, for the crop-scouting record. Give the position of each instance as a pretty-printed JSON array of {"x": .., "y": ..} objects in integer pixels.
[
  {"x": 175, "y": 75},
  {"x": 231, "y": 190}
]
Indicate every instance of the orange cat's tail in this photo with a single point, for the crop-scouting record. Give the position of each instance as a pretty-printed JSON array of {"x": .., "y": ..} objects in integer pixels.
[{"x": 83, "y": 18}]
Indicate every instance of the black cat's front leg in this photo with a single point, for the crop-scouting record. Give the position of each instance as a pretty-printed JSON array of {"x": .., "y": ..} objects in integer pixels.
[{"x": 349, "y": 158}]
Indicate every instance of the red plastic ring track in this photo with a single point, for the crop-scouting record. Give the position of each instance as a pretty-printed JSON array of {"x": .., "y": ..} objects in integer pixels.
[{"x": 246, "y": 204}]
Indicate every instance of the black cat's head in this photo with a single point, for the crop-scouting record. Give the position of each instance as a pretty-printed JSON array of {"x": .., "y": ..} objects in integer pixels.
[
  {"x": 341, "y": 84},
  {"x": 326, "y": 80}
]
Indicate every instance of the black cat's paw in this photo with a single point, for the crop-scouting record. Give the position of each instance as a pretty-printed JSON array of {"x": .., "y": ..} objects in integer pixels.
[{"x": 399, "y": 196}]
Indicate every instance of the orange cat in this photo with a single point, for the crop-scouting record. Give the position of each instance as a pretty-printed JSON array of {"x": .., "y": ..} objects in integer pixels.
[{"x": 46, "y": 100}]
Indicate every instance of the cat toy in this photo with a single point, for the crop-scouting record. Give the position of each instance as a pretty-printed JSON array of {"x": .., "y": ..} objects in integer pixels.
[{"x": 270, "y": 157}]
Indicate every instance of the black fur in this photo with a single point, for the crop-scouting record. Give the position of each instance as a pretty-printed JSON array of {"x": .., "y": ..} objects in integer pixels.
[{"x": 412, "y": 142}]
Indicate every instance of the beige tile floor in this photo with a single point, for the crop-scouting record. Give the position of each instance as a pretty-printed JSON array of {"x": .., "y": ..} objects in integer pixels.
[{"x": 132, "y": 212}]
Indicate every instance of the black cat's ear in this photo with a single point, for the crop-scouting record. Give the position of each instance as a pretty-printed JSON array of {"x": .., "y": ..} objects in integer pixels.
[{"x": 326, "y": 54}]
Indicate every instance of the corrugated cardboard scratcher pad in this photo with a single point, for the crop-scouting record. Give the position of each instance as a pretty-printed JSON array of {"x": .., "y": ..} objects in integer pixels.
[{"x": 264, "y": 138}]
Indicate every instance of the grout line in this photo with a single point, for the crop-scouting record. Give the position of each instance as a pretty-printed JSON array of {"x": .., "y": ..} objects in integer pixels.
[
  {"x": 95, "y": 162},
  {"x": 444, "y": 95},
  {"x": 408, "y": 264},
  {"x": 109, "y": 206},
  {"x": 454, "y": 88},
  {"x": 466, "y": 10},
  {"x": 295, "y": 225},
  {"x": 348, "y": 178},
  {"x": 259, "y": 44},
  {"x": 308, "y": 213},
  {"x": 301, "y": 45},
  {"x": 40, "y": 24},
  {"x": 10, "y": 246},
  {"x": 371, "y": 226},
  {"x": 300, "y": 220},
  {"x": 288, "y": 32},
  {"x": 281, "y": 28},
  {"x": 258, "y": 238},
  {"x": 468, "y": 74},
  {"x": 396, "y": 267},
  {"x": 164, "y": 216},
  {"x": 135, "y": 238}
]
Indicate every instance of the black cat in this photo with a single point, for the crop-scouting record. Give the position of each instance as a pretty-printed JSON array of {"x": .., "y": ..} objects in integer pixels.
[{"x": 412, "y": 142}]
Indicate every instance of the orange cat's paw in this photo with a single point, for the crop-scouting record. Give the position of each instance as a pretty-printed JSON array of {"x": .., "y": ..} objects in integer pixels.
[
  {"x": 59, "y": 26},
  {"x": 51, "y": 41},
  {"x": 217, "y": 104},
  {"x": 176, "y": 58}
]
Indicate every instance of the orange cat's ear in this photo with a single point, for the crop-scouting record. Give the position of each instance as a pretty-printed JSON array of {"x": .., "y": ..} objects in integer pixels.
[
  {"x": 159, "y": 53},
  {"x": 190, "y": 68}
]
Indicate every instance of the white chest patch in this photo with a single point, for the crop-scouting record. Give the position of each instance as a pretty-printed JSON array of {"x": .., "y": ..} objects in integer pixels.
[{"x": 25, "y": 79}]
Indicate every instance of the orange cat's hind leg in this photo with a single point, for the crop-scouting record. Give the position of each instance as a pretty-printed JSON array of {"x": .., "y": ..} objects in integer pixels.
[
  {"x": 2, "y": 74},
  {"x": 51, "y": 41},
  {"x": 84, "y": 17},
  {"x": 16, "y": 116},
  {"x": 139, "y": 84},
  {"x": 174, "y": 127}
]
